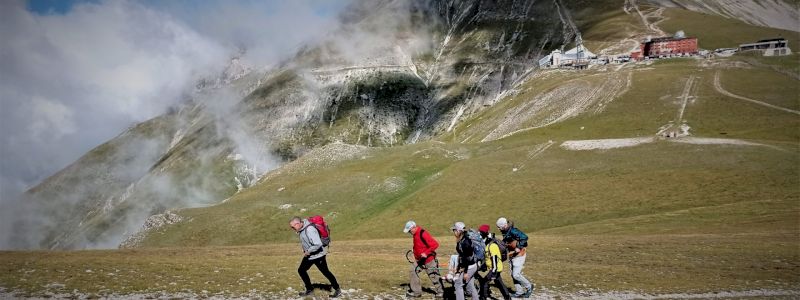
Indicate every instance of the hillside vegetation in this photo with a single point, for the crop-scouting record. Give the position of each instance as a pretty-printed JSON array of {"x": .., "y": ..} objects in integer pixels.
[{"x": 673, "y": 178}]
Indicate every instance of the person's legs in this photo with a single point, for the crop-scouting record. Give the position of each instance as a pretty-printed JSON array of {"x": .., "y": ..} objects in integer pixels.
[
  {"x": 322, "y": 265},
  {"x": 416, "y": 287},
  {"x": 521, "y": 284},
  {"x": 305, "y": 264},
  {"x": 458, "y": 283},
  {"x": 498, "y": 281},
  {"x": 436, "y": 279},
  {"x": 484, "y": 283},
  {"x": 472, "y": 271}
]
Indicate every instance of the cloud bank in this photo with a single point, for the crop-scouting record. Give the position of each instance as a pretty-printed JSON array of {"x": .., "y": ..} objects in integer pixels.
[{"x": 71, "y": 81}]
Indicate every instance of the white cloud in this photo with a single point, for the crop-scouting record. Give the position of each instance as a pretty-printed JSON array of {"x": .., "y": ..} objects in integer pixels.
[
  {"x": 50, "y": 120},
  {"x": 69, "y": 82}
]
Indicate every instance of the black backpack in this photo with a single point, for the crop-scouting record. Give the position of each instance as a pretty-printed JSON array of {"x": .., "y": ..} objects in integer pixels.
[{"x": 502, "y": 246}]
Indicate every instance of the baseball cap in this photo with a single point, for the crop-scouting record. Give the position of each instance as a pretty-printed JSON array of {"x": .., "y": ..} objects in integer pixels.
[
  {"x": 458, "y": 226},
  {"x": 484, "y": 228},
  {"x": 409, "y": 225},
  {"x": 502, "y": 222}
]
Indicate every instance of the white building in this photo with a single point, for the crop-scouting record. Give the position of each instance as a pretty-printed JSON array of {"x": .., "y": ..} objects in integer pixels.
[
  {"x": 575, "y": 57},
  {"x": 772, "y": 47}
]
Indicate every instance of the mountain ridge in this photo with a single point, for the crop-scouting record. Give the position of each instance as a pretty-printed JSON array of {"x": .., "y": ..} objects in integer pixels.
[{"x": 250, "y": 121}]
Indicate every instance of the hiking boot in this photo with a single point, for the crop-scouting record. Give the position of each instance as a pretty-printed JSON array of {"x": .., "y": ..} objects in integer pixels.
[
  {"x": 306, "y": 293},
  {"x": 411, "y": 294},
  {"x": 528, "y": 293},
  {"x": 439, "y": 296},
  {"x": 336, "y": 293}
]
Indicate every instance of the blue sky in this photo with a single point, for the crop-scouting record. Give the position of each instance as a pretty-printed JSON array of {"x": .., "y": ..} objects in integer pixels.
[{"x": 46, "y": 7}]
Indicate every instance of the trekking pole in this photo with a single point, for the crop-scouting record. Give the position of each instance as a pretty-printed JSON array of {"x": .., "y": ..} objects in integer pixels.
[{"x": 411, "y": 260}]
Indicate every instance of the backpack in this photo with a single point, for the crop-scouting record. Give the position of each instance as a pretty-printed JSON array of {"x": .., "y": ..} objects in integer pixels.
[
  {"x": 322, "y": 227},
  {"x": 502, "y": 246},
  {"x": 478, "y": 247},
  {"x": 424, "y": 242},
  {"x": 422, "y": 238}
]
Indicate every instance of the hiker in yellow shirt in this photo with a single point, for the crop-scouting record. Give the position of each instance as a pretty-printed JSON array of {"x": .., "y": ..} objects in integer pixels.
[{"x": 495, "y": 252}]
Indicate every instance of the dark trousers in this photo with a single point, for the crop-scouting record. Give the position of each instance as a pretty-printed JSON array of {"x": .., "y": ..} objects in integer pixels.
[
  {"x": 322, "y": 265},
  {"x": 498, "y": 281}
]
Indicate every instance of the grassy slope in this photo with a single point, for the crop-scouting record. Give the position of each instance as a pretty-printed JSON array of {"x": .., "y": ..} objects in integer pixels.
[
  {"x": 567, "y": 263},
  {"x": 718, "y": 32},
  {"x": 661, "y": 217},
  {"x": 601, "y": 29},
  {"x": 713, "y": 210}
]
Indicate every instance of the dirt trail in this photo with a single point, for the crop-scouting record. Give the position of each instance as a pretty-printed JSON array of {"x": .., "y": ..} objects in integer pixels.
[
  {"x": 685, "y": 97},
  {"x": 540, "y": 294},
  {"x": 721, "y": 90},
  {"x": 571, "y": 99},
  {"x": 632, "y": 5}
]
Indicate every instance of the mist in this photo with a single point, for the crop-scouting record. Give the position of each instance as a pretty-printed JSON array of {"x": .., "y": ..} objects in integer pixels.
[{"x": 71, "y": 81}]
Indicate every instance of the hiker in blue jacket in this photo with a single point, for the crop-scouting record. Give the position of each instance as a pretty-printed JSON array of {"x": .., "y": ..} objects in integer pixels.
[
  {"x": 313, "y": 254},
  {"x": 517, "y": 243}
]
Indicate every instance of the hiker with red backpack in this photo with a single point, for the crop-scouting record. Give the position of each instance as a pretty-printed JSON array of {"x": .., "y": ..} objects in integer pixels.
[
  {"x": 496, "y": 254},
  {"x": 425, "y": 255},
  {"x": 314, "y": 251}
]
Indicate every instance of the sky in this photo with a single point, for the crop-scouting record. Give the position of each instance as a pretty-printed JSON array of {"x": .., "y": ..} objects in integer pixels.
[{"x": 74, "y": 74}]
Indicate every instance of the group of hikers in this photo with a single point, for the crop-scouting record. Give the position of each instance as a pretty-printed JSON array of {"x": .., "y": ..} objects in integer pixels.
[{"x": 480, "y": 256}]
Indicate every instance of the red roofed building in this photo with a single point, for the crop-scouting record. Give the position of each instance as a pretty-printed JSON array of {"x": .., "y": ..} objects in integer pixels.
[{"x": 666, "y": 46}]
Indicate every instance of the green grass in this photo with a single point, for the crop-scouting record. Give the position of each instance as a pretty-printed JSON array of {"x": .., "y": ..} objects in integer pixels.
[
  {"x": 715, "y": 32},
  {"x": 763, "y": 85},
  {"x": 789, "y": 65},
  {"x": 663, "y": 263},
  {"x": 716, "y": 115},
  {"x": 604, "y": 29},
  {"x": 657, "y": 218}
]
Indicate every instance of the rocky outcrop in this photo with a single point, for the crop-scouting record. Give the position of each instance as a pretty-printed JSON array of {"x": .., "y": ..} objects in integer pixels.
[{"x": 152, "y": 223}]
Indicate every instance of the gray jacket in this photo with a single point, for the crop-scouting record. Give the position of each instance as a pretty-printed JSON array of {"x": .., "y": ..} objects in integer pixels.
[{"x": 311, "y": 241}]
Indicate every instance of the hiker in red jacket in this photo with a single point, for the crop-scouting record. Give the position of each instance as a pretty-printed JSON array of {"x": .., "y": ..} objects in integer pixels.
[{"x": 425, "y": 254}]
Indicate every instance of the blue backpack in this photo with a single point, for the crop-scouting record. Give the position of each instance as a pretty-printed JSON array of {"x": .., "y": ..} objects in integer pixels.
[{"x": 478, "y": 247}]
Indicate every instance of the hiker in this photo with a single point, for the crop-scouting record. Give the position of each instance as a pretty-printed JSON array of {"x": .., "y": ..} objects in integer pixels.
[
  {"x": 517, "y": 242},
  {"x": 494, "y": 264},
  {"x": 467, "y": 265},
  {"x": 425, "y": 254},
  {"x": 314, "y": 253}
]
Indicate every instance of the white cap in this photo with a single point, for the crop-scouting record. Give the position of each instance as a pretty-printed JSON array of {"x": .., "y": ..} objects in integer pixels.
[
  {"x": 502, "y": 222},
  {"x": 409, "y": 225},
  {"x": 458, "y": 226}
]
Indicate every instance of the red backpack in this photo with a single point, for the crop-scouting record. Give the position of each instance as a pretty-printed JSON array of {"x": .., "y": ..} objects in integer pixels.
[{"x": 322, "y": 227}]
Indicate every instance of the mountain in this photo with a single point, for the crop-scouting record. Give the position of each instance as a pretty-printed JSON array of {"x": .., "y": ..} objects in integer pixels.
[{"x": 417, "y": 108}]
